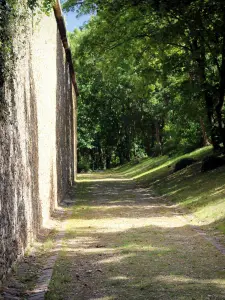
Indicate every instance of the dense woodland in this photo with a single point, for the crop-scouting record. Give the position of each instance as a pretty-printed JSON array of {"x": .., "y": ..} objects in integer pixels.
[{"x": 151, "y": 75}]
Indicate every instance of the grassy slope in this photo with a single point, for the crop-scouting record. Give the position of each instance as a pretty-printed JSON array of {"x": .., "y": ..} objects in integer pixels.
[{"x": 202, "y": 194}]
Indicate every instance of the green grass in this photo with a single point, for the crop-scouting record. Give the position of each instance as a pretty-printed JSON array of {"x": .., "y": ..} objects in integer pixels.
[
  {"x": 201, "y": 194},
  {"x": 151, "y": 168},
  {"x": 121, "y": 244}
]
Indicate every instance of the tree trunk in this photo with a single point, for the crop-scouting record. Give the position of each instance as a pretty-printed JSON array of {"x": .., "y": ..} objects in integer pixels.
[
  {"x": 158, "y": 148},
  {"x": 220, "y": 103},
  {"x": 108, "y": 159},
  {"x": 200, "y": 58},
  {"x": 204, "y": 134},
  {"x": 100, "y": 158},
  {"x": 147, "y": 148}
]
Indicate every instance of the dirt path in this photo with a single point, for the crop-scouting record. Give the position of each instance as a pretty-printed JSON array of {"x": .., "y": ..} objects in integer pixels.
[{"x": 121, "y": 243}]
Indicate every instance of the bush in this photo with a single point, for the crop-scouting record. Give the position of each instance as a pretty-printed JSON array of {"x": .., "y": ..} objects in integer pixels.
[
  {"x": 212, "y": 162},
  {"x": 83, "y": 165},
  {"x": 183, "y": 163}
]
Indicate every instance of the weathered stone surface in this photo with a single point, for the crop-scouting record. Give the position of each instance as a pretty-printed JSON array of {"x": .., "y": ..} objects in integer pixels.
[{"x": 36, "y": 138}]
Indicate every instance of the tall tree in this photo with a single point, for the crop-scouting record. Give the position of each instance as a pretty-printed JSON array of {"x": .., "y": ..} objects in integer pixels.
[{"x": 156, "y": 79}]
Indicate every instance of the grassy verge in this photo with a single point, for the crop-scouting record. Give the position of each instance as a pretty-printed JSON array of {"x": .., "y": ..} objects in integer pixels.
[
  {"x": 25, "y": 272},
  {"x": 201, "y": 194}
]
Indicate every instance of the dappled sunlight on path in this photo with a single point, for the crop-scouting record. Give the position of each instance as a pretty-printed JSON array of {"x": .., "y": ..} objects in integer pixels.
[
  {"x": 102, "y": 177},
  {"x": 124, "y": 242}
]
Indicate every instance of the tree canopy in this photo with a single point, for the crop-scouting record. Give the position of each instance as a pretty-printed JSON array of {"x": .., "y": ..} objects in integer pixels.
[{"x": 151, "y": 76}]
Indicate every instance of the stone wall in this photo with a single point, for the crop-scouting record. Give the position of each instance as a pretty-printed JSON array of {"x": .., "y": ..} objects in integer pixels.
[{"x": 37, "y": 138}]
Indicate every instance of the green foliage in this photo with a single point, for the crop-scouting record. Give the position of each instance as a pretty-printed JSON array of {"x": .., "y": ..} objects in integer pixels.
[
  {"x": 11, "y": 12},
  {"x": 157, "y": 80},
  {"x": 83, "y": 165},
  {"x": 44, "y": 5},
  {"x": 5, "y": 50}
]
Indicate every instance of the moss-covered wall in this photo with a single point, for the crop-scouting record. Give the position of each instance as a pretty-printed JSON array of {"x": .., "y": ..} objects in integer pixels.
[{"x": 37, "y": 136}]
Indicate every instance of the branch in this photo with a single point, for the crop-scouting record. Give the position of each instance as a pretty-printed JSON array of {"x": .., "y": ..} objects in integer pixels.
[{"x": 145, "y": 35}]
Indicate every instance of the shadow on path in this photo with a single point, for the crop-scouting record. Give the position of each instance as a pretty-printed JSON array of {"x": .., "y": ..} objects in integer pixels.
[{"x": 123, "y": 242}]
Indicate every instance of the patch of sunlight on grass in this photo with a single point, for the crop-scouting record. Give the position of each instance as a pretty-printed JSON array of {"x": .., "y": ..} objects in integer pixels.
[
  {"x": 184, "y": 279},
  {"x": 211, "y": 212},
  {"x": 115, "y": 259},
  {"x": 90, "y": 251},
  {"x": 103, "y": 179},
  {"x": 221, "y": 227},
  {"x": 137, "y": 247},
  {"x": 166, "y": 164},
  {"x": 123, "y": 224},
  {"x": 199, "y": 153},
  {"x": 47, "y": 245},
  {"x": 79, "y": 210},
  {"x": 83, "y": 208},
  {"x": 104, "y": 298},
  {"x": 122, "y": 200},
  {"x": 119, "y": 278},
  {"x": 190, "y": 201},
  {"x": 144, "y": 165},
  {"x": 175, "y": 192},
  {"x": 80, "y": 241}
]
